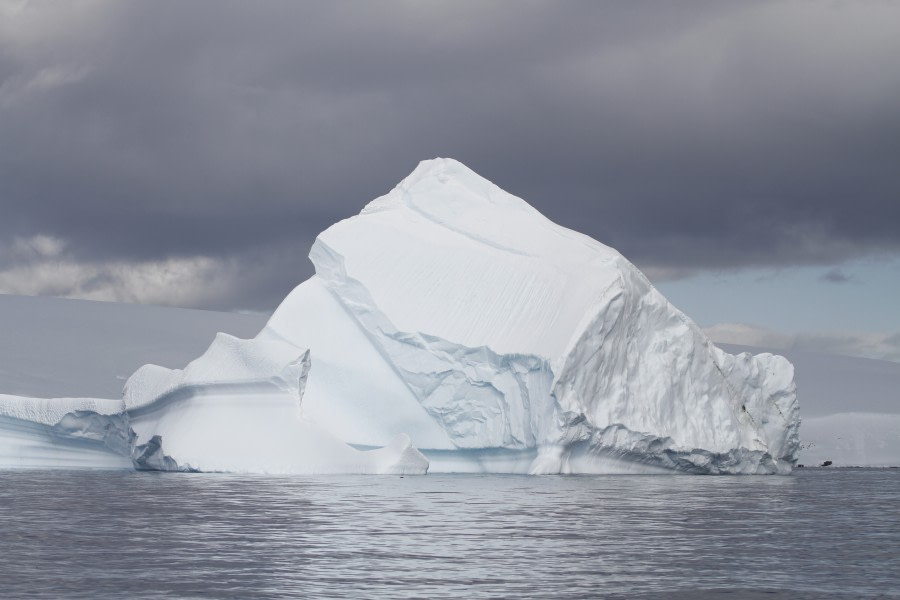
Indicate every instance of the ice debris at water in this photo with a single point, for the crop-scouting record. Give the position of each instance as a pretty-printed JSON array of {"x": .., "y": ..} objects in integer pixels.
[{"x": 452, "y": 317}]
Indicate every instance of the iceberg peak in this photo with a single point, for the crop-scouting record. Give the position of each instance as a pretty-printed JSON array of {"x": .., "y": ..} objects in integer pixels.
[
  {"x": 449, "y": 191},
  {"x": 446, "y": 171}
]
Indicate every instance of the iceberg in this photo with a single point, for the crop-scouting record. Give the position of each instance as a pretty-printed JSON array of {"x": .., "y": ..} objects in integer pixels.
[
  {"x": 501, "y": 341},
  {"x": 451, "y": 327}
]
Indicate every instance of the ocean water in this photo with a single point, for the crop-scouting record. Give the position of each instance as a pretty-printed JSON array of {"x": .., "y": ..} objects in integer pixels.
[{"x": 816, "y": 534}]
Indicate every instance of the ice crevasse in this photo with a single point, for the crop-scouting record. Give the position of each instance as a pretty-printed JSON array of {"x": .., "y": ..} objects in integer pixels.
[{"x": 452, "y": 327}]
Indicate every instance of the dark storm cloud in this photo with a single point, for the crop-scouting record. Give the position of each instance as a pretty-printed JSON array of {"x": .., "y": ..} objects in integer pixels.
[{"x": 689, "y": 136}]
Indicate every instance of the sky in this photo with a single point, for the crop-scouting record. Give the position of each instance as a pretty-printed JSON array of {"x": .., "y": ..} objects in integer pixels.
[{"x": 743, "y": 154}]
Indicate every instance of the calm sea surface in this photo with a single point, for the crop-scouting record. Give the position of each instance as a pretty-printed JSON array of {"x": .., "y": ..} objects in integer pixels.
[{"x": 816, "y": 534}]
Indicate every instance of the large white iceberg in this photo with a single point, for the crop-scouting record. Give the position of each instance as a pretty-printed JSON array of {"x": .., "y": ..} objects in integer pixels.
[
  {"x": 501, "y": 341},
  {"x": 453, "y": 315}
]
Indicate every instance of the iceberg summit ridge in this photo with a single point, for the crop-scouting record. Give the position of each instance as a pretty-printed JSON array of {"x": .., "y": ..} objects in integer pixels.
[{"x": 450, "y": 326}]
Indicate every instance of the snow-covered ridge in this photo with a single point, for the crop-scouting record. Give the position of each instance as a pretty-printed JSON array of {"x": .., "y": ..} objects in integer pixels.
[{"x": 452, "y": 316}]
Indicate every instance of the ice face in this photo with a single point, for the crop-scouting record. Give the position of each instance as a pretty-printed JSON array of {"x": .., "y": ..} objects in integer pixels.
[{"x": 452, "y": 317}]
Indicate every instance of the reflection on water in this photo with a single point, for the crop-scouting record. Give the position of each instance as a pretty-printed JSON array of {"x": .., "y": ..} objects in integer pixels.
[{"x": 815, "y": 534}]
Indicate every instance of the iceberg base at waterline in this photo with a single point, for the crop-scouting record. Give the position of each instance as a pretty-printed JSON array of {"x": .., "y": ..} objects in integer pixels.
[{"x": 451, "y": 320}]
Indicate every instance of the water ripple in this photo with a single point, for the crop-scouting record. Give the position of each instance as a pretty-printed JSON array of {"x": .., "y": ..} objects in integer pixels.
[{"x": 816, "y": 534}]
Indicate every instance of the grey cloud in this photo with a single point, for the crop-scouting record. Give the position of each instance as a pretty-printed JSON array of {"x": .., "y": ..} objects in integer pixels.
[
  {"x": 836, "y": 276},
  {"x": 689, "y": 136},
  {"x": 240, "y": 282}
]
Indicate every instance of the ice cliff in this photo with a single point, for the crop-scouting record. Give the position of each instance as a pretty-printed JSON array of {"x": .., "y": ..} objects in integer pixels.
[{"x": 454, "y": 313}]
